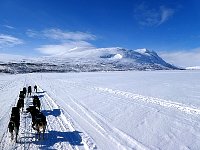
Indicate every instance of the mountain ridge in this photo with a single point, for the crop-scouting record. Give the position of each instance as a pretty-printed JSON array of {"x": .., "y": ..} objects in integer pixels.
[{"x": 101, "y": 59}]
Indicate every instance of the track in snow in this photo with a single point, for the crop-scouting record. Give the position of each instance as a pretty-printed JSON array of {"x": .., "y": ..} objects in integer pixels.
[
  {"x": 90, "y": 119},
  {"x": 110, "y": 115},
  {"x": 141, "y": 98},
  {"x": 12, "y": 85},
  {"x": 60, "y": 125},
  {"x": 101, "y": 125},
  {"x": 157, "y": 101},
  {"x": 60, "y": 133},
  {"x": 108, "y": 131}
]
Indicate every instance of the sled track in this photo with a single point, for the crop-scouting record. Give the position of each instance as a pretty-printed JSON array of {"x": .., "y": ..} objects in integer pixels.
[
  {"x": 140, "y": 98},
  {"x": 65, "y": 124},
  {"x": 99, "y": 124},
  {"x": 164, "y": 103},
  {"x": 61, "y": 126},
  {"x": 4, "y": 141},
  {"x": 9, "y": 83},
  {"x": 111, "y": 133},
  {"x": 30, "y": 140},
  {"x": 29, "y": 135},
  {"x": 5, "y": 86},
  {"x": 58, "y": 121},
  {"x": 127, "y": 98}
]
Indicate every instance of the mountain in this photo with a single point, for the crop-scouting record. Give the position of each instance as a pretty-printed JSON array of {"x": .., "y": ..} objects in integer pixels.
[{"x": 79, "y": 60}]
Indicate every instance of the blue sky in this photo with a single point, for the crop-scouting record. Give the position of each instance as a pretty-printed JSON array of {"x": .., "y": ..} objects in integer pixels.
[{"x": 47, "y": 27}]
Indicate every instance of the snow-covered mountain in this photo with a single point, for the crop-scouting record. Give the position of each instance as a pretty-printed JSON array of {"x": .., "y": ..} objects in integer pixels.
[{"x": 101, "y": 59}]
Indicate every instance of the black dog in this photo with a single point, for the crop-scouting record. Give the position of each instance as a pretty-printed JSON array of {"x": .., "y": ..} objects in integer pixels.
[
  {"x": 38, "y": 120},
  {"x": 33, "y": 111},
  {"x": 29, "y": 90},
  {"x": 20, "y": 103},
  {"x": 40, "y": 124},
  {"x": 35, "y": 88},
  {"x": 24, "y": 91},
  {"x": 36, "y": 102},
  {"x": 14, "y": 123}
]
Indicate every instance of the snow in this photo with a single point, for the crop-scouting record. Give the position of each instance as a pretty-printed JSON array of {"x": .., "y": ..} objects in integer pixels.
[
  {"x": 118, "y": 56},
  {"x": 193, "y": 68},
  {"x": 142, "y": 50},
  {"x": 2, "y": 67},
  {"x": 108, "y": 110},
  {"x": 10, "y": 58}
]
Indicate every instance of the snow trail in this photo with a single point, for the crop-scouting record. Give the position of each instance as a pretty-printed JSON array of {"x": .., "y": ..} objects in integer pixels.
[
  {"x": 77, "y": 105},
  {"x": 157, "y": 101},
  {"x": 110, "y": 131},
  {"x": 77, "y": 139},
  {"x": 141, "y": 98},
  {"x": 60, "y": 133}
]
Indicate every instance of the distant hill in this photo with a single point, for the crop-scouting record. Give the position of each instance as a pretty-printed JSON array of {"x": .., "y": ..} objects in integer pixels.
[{"x": 102, "y": 59}]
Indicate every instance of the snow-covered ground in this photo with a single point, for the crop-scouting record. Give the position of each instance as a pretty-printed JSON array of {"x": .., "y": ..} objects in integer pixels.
[{"x": 108, "y": 110}]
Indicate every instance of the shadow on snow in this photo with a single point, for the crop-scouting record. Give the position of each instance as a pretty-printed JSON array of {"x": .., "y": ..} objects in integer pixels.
[
  {"x": 39, "y": 96},
  {"x": 41, "y": 92},
  {"x": 53, "y": 137},
  {"x": 54, "y": 112}
]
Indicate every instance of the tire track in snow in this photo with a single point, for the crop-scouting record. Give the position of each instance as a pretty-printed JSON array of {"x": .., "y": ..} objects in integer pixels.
[{"x": 164, "y": 103}]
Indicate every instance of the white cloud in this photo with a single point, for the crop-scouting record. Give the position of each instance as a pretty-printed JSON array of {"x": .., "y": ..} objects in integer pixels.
[
  {"x": 32, "y": 33},
  {"x": 58, "y": 34},
  {"x": 68, "y": 41},
  {"x": 166, "y": 13},
  {"x": 9, "y": 27},
  {"x": 9, "y": 41},
  {"x": 147, "y": 16},
  {"x": 65, "y": 48},
  {"x": 183, "y": 58}
]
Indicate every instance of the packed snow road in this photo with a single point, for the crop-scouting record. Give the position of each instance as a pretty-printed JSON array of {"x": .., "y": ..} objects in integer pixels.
[{"x": 110, "y": 110}]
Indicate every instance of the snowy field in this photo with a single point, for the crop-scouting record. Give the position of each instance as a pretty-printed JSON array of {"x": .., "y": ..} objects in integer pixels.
[{"x": 107, "y": 110}]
